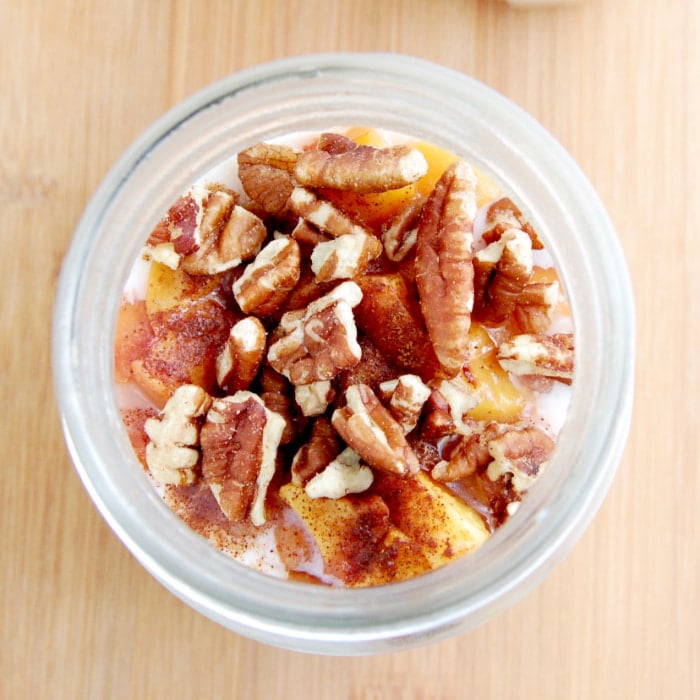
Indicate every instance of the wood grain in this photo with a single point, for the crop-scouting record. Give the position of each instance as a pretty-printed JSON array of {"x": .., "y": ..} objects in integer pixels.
[{"x": 615, "y": 82}]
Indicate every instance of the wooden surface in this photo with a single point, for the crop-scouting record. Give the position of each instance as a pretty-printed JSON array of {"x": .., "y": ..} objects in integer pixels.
[{"x": 616, "y": 82}]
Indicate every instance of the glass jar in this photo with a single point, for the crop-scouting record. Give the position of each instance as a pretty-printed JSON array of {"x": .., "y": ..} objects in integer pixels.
[{"x": 316, "y": 92}]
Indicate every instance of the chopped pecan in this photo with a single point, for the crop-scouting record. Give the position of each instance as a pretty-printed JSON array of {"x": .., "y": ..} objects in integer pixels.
[
  {"x": 535, "y": 306},
  {"x": 205, "y": 232},
  {"x": 305, "y": 233},
  {"x": 345, "y": 474},
  {"x": 267, "y": 281},
  {"x": 171, "y": 453},
  {"x": 239, "y": 450},
  {"x": 406, "y": 396},
  {"x": 501, "y": 271},
  {"x": 361, "y": 169},
  {"x": 503, "y": 215},
  {"x": 317, "y": 453},
  {"x": 520, "y": 455},
  {"x": 276, "y": 394},
  {"x": 470, "y": 456},
  {"x": 344, "y": 257},
  {"x": 313, "y": 398},
  {"x": 461, "y": 398},
  {"x": 265, "y": 171},
  {"x": 240, "y": 358},
  {"x": 400, "y": 234},
  {"x": 322, "y": 214},
  {"x": 543, "y": 355},
  {"x": 444, "y": 272},
  {"x": 318, "y": 342},
  {"x": 373, "y": 433}
]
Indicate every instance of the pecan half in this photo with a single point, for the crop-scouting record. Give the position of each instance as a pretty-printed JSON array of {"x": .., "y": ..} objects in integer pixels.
[
  {"x": 318, "y": 342},
  {"x": 171, "y": 454},
  {"x": 265, "y": 171},
  {"x": 239, "y": 450},
  {"x": 267, "y": 281},
  {"x": 543, "y": 355},
  {"x": 361, "y": 169},
  {"x": 240, "y": 358},
  {"x": 444, "y": 272},
  {"x": 520, "y": 455},
  {"x": 373, "y": 433}
]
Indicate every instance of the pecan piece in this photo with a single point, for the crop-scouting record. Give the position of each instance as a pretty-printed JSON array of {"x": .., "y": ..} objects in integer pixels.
[
  {"x": 266, "y": 282},
  {"x": 171, "y": 452},
  {"x": 322, "y": 214},
  {"x": 345, "y": 474},
  {"x": 344, "y": 257},
  {"x": 206, "y": 232},
  {"x": 406, "y": 396},
  {"x": 318, "y": 342},
  {"x": 361, "y": 169},
  {"x": 535, "y": 307},
  {"x": 265, "y": 171},
  {"x": 400, "y": 234},
  {"x": 520, "y": 455},
  {"x": 317, "y": 453},
  {"x": 240, "y": 358},
  {"x": 501, "y": 271},
  {"x": 373, "y": 433},
  {"x": 503, "y": 215},
  {"x": 239, "y": 450},
  {"x": 444, "y": 272},
  {"x": 543, "y": 355}
]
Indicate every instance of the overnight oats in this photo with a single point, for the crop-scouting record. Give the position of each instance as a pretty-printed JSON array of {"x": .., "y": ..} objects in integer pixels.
[{"x": 344, "y": 357}]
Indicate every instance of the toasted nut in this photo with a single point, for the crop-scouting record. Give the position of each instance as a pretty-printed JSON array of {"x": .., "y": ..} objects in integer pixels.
[
  {"x": 373, "y": 433},
  {"x": 322, "y": 214},
  {"x": 444, "y": 273},
  {"x": 239, "y": 450},
  {"x": 206, "y": 233},
  {"x": 313, "y": 399},
  {"x": 535, "y": 307},
  {"x": 317, "y": 453},
  {"x": 318, "y": 342},
  {"x": 503, "y": 215},
  {"x": 267, "y": 281},
  {"x": 520, "y": 455},
  {"x": 461, "y": 398},
  {"x": 265, "y": 171},
  {"x": 407, "y": 394},
  {"x": 501, "y": 271},
  {"x": 542, "y": 355},
  {"x": 361, "y": 169},
  {"x": 171, "y": 454},
  {"x": 239, "y": 360},
  {"x": 470, "y": 456},
  {"x": 344, "y": 257},
  {"x": 400, "y": 235},
  {"x": 344, "y": 475}
]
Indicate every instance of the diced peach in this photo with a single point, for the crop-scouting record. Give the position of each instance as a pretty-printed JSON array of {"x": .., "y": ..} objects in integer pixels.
[
  {"x": 167, "y": 287},
  {"x": 133, "y": 338},
  {"x": 499, "y": 399}
]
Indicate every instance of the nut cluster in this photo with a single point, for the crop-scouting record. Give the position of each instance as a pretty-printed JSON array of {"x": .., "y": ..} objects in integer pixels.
[{"x": 349, "y": 348}]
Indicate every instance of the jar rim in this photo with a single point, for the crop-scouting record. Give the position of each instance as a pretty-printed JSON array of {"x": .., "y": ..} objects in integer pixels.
[{"x": 304, "y": 91}]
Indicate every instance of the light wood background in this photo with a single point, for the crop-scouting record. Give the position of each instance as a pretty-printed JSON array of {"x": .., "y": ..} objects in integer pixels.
[{"x": 616, "y": 81}]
